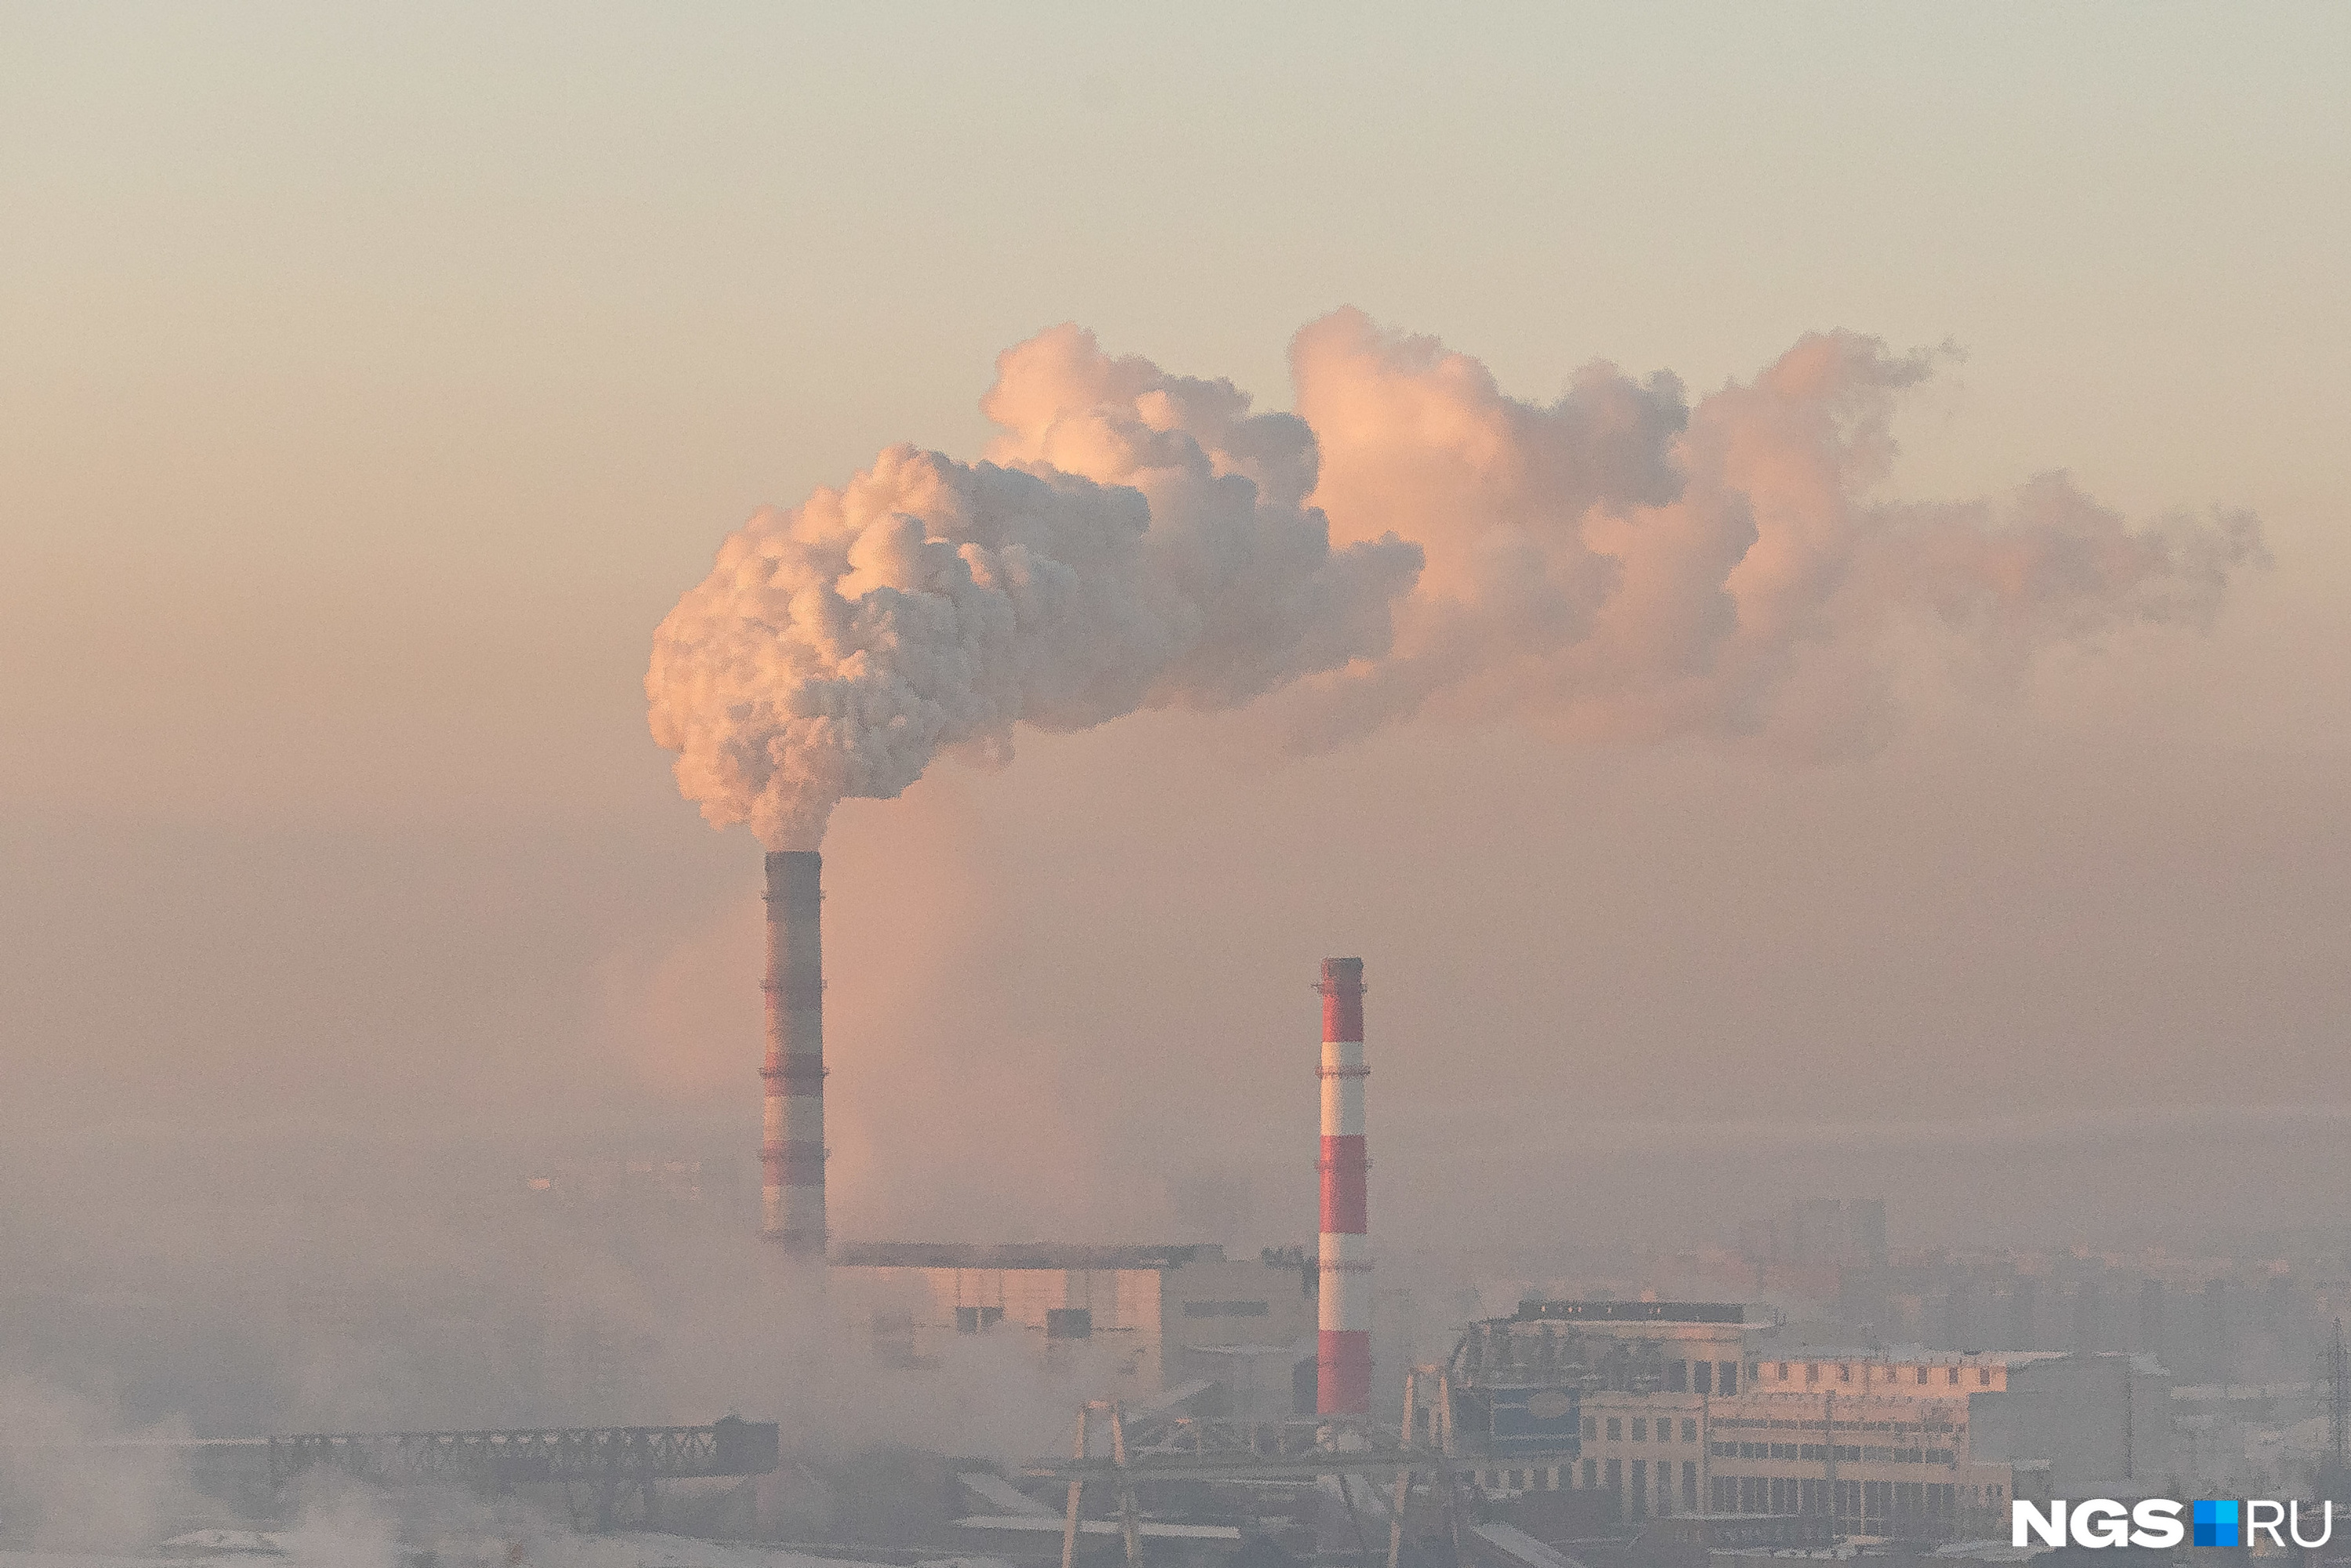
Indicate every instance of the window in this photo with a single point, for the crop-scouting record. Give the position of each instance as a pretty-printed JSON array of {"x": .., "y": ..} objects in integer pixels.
[
  {"x": 1590, "y": 1474},
  {"x": 1591, "y": 1425},
  {"x": 1783, "y": 1371},
  {"x": 1983, "y": 1377},
  {"x": 971, "y": 1320},
  {"x": 1068, "y": 1322},
  {"x": 1703, "y": 1372},
  {"x": 1615, "y": 1432},
  {"x": 1952, "y": 1375},
  {"x": 1640, "y": 1492},
  {"x": 1640, "y": 1430},
  {"x": 1677, "y": 1377},
  {"x": 1518, "y": 1481},
  {"x": 1689, "y": 1435},
  {"x": 1689, "y": 1485},
  {"x": 1922, "y": 1375},
  {"x": 1726, "y": 1377},
  {"x": 1615, "y": 1475},
  {"x": 1844, "y": 1372},
  {"x": 1812, "y": 1371}
]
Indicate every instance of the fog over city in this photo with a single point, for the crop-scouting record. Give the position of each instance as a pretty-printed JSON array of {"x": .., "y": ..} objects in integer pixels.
[{"x": 1783, "y": 596}]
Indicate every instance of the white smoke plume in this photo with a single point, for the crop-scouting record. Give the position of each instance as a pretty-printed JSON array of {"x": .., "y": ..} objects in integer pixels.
[{"x": 1617, "y": 563}]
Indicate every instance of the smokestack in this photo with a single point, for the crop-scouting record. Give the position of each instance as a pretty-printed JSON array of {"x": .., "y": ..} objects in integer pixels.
[
  {"x": 1343, "y": 1352},
  {"x": 791, "y": 1154}
]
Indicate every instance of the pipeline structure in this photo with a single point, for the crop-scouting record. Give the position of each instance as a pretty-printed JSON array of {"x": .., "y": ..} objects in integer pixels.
[
  {"x": 791, "y": 1151},
  {"x": 1344, "y": 1310}
]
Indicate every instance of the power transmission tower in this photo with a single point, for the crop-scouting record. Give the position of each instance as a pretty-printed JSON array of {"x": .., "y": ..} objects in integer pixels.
[
  {"x": 2338, "y": 1402},
  {"x": 2335, "y": 1474}
]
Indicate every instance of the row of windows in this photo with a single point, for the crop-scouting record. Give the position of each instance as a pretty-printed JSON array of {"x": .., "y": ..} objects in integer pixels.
[
  {"x": 1916, "y": 1376},
  {"x": 1816, "y": 1423},
  {"x": 1641, "y": 1428},
  {"x": 1597, "y": 1473},
  {"x": 1865, "y": 1505},
  {"x": 1647, "y": 1489},
  {"x": 1651, "y": 1487},
  {"x": 1612, "y": 1475},
  {"x": 1061, "y": 1322},
  {"x": 1857, "y": 1452},
  {"x": 1703, "y": 1376}
]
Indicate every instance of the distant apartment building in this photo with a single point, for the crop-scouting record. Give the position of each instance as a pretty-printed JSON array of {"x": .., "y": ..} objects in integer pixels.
[
  {"x": 1683, "y": 1412},
  {"x": 1847, "y": 1232}
]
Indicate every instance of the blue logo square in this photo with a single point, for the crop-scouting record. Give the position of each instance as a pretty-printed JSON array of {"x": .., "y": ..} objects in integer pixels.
[{"x": 2216, "y": 1523}]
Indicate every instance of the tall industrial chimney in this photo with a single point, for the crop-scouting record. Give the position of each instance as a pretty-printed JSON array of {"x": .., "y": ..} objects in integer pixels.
[
  {"x": 1342, "y": 1382},
  {"x": 791, "y": 1153}
]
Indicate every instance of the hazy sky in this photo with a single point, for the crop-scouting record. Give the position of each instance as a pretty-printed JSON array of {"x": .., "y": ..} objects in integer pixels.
[{"x": 373, "y": 380}]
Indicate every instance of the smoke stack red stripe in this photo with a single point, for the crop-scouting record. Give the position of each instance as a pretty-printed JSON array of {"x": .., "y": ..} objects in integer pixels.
[
  {"x": 1344, "y": 1355},
  {"x": 791, "y": 1153}
]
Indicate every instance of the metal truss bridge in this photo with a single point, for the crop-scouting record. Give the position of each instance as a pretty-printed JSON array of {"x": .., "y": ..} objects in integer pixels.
[{"x": 609, "y": 1462}]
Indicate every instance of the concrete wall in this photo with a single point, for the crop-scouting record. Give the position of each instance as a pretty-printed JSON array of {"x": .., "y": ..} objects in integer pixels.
[{"x": 2102, "y": 1423}]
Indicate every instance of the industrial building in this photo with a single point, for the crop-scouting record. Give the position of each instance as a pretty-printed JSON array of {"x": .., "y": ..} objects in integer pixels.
[
  {"x": 1679, "y": 1408},
  {"x": 1282, "y": 1333},
  {"x": 1279, "y": 1333},
  {"x": 1150, "y": 1319},
  {"x": 1687, "y": 1411}
]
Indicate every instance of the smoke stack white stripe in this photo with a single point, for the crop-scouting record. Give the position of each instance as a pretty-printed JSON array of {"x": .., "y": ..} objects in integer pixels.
[
  {"x": 791, "y": 1153},
  {"x": 1343, "y": 1370}
]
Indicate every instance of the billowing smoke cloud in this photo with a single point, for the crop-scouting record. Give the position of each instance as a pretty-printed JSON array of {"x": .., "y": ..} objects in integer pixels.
[
  {"x": 1621, "y": 569},
  {"x": 1617, "y": 563}
]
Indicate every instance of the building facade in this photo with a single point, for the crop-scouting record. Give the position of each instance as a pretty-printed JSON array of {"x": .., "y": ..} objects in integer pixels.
[
  {"x": 1142, "y": 1318},
  {"x": 1685, "y": 1413}
]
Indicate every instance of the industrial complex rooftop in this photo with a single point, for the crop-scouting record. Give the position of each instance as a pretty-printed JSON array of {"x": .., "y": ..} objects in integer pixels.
[
  {"x": 1019, "y": 1255},
  {"x": 1633, "y": 1311}
]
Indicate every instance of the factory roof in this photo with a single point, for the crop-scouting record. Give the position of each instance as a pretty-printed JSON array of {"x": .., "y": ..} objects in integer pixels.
[{"x": 1018, "y": 1255}]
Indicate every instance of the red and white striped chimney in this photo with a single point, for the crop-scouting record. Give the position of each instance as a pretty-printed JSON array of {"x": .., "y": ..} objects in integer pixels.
[
  {"x": 1344, "y": 1352},
  {"x": 791, "y": 1152}
]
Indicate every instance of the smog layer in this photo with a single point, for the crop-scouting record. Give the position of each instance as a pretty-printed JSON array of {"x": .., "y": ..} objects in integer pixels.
[{"x": 1778, "y": 580}]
